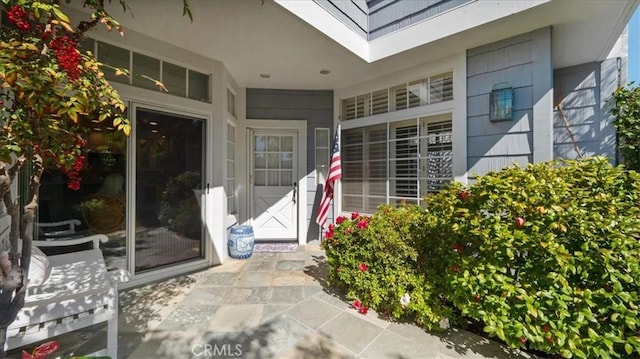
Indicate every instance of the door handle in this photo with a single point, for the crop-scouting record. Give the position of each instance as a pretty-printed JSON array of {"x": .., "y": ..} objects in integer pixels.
[{"x": 295, "y": 190}]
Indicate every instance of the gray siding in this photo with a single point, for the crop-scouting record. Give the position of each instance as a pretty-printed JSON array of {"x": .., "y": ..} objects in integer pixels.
[
  {"x": 386, "y": 16},
  {"x": 374, "y": 18},
  {"x": 584, "y": 93},
  {"x": 352, "y": 13},
  {"x": 314, "y": 106},
  {"x": 493, "y": 145}
]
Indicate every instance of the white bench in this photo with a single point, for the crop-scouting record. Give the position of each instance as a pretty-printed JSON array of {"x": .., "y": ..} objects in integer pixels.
[
  {"x": 57, "y": 229},
  {"x": 78, "y": 292}
]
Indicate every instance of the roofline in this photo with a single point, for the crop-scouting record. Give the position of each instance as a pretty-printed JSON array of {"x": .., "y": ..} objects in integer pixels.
[{"x": 454, "y": 21}]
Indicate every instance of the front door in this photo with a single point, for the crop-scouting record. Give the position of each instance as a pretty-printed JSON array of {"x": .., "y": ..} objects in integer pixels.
[{"x": 273, "y": 180}]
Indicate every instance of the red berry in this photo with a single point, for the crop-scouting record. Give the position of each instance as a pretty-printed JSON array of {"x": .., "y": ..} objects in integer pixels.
[{"x": 519, "y": 222}]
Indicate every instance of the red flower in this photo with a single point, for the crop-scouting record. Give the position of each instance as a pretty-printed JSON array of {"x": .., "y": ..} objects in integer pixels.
[
  {"x": 355, "y": 215},
  {"x": 328, "y": 234},
  {"x": 363, "y": 309},
  {"x": 464, "y": 195},
  {"x": 364, "y": 267},
  {"x": 340, "y": 219},
  {"x": 457, "y": 247},
  {"x": 523, "y": 340},
  {"x": 519, "y": 222},
  {"x": 362, "y": 224},
  {"x": 42, "y": 350},
  {"x": 357, "y": 304}
]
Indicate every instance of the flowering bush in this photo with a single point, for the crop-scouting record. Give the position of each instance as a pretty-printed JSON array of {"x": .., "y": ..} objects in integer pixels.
[
  {"x": 546, "y": 257},
  {"x": 375, "y": 260}
]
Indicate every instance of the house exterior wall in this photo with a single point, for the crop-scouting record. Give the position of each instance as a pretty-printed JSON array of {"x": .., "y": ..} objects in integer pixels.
[
  {"x": 523, "y": 62},
  {"x": 314, "y": 106},
  {"x": 351, "y": 13},
  {"x": 386, "y": 16},
  {"x": 374, "y": 18},
  {"x": 584, "y": 93}
]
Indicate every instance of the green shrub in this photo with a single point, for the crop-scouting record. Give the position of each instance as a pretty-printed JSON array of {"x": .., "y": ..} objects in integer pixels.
[
  {"x": 375, "y": 260},
  {"x": 626, "y": 109},
  {"x": 547, "y": 256}
]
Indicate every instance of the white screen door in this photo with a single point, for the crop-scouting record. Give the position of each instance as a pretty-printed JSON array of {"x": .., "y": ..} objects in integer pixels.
[{"x": 274, "y": 185}]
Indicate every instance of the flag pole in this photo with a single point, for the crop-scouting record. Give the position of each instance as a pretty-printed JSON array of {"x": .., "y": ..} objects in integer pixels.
[{"x": 333, "y": 176}]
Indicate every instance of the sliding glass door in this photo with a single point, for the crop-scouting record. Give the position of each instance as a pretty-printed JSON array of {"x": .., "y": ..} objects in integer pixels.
[{"x": 169, "y": 178}]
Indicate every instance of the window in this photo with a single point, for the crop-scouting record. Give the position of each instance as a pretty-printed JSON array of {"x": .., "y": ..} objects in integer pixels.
[
  {"x": 417, "y": 93},
  {"x": 116, "y": 58},
  {"x": 364, "y": 169},
  {"x": 198, "y": 86},
  {"x": 322, "y": 154},
  {"x": 174, "y": 78},
  {"x": 401, "y": 161},
  {"x": 231, "y": 103},
  {"x": 146, "y": 70},
  {"x": 231, "y": 171}
]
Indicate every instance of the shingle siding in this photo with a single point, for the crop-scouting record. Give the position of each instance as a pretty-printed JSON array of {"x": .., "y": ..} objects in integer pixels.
[{"x": 584, "y": 93}]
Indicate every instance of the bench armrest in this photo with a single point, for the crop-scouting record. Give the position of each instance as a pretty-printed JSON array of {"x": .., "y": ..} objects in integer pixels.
[{"x": 96, "y": 239}]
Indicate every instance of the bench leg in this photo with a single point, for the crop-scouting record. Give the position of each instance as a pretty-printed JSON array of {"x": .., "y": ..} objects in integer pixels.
[{"x": 112, "y": 330}]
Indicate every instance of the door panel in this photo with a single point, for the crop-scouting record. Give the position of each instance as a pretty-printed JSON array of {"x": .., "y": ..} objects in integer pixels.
[{"x": 274, "y": 185}]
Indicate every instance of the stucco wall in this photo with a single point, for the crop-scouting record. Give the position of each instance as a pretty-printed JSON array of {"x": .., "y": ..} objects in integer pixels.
[{"x": 314, "y": 106}]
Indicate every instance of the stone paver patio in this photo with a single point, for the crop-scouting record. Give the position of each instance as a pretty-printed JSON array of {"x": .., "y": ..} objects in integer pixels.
[{"x": 272, "y": 305}]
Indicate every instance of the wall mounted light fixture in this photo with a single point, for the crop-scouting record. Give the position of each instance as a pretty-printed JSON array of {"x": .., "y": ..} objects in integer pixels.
[{"x": 501, "y": 103}]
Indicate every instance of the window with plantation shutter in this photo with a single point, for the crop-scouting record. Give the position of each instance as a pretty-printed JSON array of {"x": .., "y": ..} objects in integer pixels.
[
  {"x": 399, "y": 161},
  {"x": 349, "y": 109},
  {"x": 399, "y": 98},
  {"x": 417, "y": 93},
  {"x": 380, "y": 102},
  {"x": 404, "y": 161},
  {"x": 363, "y": 104},
  {"x": 441, "y": 88},
  {"x": 436, "y": 154}
]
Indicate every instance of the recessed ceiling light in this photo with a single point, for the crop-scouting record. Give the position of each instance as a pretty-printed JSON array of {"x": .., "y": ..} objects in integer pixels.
[
  {"x": 325, "y": 72},
  {"x": 154, "y": 131},
  {"x": 153, "y": 123},
  {"x": 265, "y": 76}
]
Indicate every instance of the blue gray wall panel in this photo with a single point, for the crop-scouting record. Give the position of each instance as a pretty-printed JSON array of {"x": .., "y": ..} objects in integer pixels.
[
  {"x": 524, "y": 63},
  {"x": 387, "y": 16},
  {"x": 374, "y": 18},
  {"x": 494, "y": 145},
  {"x": 314, "y": 106},
  {"x": 352, "y": 13},
  {"x": 584, "y": 93}
]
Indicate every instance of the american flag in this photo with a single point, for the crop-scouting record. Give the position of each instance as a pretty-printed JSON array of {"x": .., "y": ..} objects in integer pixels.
[{"x": 335, "y": 172}]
